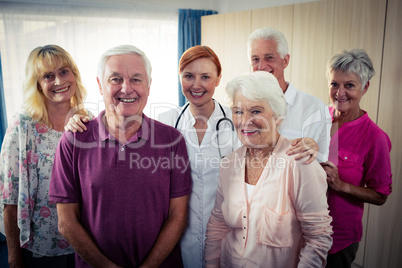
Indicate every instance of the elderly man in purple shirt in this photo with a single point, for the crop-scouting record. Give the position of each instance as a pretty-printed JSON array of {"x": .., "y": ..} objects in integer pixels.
[{"x": 122, "y": 186}]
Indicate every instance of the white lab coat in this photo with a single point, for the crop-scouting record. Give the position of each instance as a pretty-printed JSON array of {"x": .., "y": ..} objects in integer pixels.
[{"x": 205, "y": 161}]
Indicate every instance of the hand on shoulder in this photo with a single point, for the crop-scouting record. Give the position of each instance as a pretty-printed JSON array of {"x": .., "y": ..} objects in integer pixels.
[{"x": 77, "y": 123}]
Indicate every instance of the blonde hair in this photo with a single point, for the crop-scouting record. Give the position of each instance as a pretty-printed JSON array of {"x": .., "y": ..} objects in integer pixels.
[{"x": 40, "y": 60}]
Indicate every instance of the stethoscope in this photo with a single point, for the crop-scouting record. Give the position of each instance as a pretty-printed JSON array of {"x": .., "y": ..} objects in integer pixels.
[{"x": 224, "y": 118}]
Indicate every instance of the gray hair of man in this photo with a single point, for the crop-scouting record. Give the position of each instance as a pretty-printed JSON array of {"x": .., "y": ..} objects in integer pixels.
[
  {"x": 259, "y": 86},
  {"x": 121, "y": 50},
  {"x": 353, "y": 61},
  {"x": 269, "y": 34}
]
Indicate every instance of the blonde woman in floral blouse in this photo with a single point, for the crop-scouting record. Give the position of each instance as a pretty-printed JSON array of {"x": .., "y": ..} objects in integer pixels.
[{"x": 53, "y": 91}]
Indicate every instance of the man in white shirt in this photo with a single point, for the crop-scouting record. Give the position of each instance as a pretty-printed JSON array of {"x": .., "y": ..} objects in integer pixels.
[{"x": 307, "y": 116}]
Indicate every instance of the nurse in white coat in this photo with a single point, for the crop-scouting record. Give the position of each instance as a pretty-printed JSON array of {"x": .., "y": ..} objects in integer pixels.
[{"x": 207, "y": 128}]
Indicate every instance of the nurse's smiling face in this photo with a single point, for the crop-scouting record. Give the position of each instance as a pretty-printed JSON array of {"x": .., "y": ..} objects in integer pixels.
[{"x": 199, "y": 79}]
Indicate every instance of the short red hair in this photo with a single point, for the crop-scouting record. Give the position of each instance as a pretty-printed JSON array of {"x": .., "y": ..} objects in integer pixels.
[{"x": 197, "y": 52}]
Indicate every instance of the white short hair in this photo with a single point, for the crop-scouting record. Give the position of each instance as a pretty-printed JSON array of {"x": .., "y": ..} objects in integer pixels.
[
  {"x": 121, "y": 50},
  {"x": 259, "y": 86},
  {"x": 353, "y": 61},
  {"x": 269, "y": 34}
]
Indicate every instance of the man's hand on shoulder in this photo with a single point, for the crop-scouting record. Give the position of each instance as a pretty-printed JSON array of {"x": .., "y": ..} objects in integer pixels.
[{"x": 304, "y": 147}]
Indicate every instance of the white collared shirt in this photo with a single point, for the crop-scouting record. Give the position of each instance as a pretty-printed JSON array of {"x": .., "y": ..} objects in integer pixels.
[{"x": 307, "y": 116}]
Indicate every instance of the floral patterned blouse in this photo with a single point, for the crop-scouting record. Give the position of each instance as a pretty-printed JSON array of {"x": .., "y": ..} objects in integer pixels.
[{"x": 27, "y": 156}]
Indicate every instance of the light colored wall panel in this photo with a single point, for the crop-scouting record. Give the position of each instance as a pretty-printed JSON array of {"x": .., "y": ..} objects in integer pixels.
[
  {"x": 227, "y": 6},
  {"x": 213, "y": 35},
  {"x": 227, "y": 35},
  {"x": 384, "y": 239},
  {"x": 237, "y": 30},
  {"x": 360, "y": 24},
  {"x": 362, "y": 246},
  {"x": 312, "y": 47},
  {"x": 280, "y": 18}
]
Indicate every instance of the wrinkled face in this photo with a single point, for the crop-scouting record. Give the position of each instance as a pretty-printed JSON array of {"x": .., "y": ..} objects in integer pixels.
[
  {"x": 125, "y": 87},
  {"x": 345, "y": 91},
  {"x": 265, "y": 57},
  {"x": 254, "y": 121},
  {"x": 58, "y": 84},
  {"x": 199, "y": 79}
]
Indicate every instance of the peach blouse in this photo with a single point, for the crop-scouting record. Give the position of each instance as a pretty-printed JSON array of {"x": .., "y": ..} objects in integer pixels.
[{"x": 284, "y": 223}]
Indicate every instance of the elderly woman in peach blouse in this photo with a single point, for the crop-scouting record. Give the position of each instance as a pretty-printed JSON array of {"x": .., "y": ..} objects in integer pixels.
[{"x": 270, "y": 210}]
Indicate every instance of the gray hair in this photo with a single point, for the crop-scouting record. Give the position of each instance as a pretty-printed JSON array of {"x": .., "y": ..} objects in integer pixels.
[
  {"x": 259, "y": 86},
  {"x": 269, "y": 34},
  {"x": 353, "y": 61},
  {"x": 121, "y": 50}
]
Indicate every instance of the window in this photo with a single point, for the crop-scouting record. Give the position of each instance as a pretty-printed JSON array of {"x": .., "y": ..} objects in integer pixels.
[{"x": 87, "y": 32}]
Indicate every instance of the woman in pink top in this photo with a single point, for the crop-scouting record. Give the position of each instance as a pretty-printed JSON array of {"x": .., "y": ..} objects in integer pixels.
[
  {"x": 359, "y": 167},
  {"x": 270, "y": 210}
]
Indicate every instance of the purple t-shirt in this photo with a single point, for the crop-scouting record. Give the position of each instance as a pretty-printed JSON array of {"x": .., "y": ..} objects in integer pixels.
[
  {"x": 123, "y": 189},
  {"x": 360, "y": 150}
]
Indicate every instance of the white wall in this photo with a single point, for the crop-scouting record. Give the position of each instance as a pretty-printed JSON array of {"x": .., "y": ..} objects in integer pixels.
[
  {"x": 222, "y": 6},
  {"x": 227, "y": 6}
]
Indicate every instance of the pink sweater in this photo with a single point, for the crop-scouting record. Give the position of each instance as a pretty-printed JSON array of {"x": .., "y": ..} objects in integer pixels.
[
  {"x": 360, "y": 150},
  {"x": 284, "y": 223}
]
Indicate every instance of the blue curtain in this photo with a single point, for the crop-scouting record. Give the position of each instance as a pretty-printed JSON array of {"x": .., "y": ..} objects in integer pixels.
[
  {"x": 189, "y": 34},
  {"x": 3, "y": 116}
]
